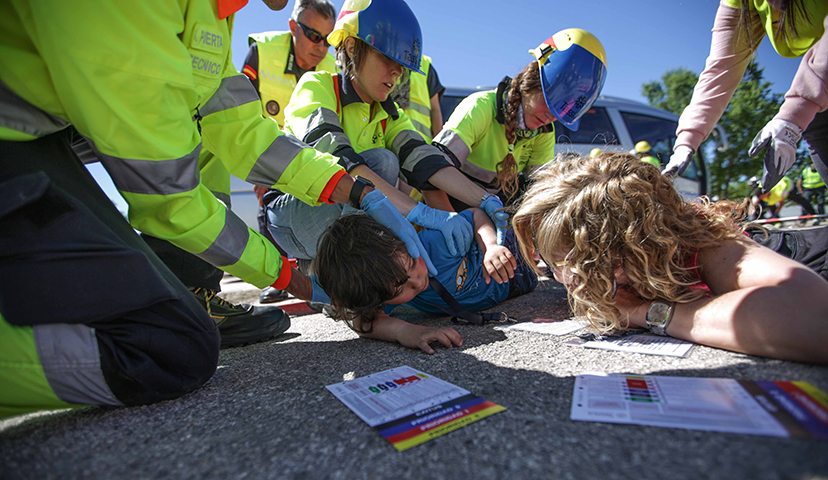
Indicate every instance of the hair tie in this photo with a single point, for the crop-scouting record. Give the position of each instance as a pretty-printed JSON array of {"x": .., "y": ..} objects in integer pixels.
[{"x": 511, "y": 148}]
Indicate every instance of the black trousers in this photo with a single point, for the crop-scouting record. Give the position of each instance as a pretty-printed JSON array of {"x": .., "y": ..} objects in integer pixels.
[
  {"x": 68, "y": 256},
  {"x": 808, "y": 246}
]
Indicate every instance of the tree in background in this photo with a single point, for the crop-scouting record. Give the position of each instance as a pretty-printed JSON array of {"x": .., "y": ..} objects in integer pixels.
[
  {"x": 673, "y": 92},
  {"x": 751, "y": 107}
]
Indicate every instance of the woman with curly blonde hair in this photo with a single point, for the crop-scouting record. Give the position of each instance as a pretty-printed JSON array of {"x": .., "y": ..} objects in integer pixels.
[{"x": 633, "y": 253}]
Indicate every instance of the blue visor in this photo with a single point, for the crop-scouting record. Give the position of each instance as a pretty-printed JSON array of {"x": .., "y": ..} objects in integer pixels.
[{"x": 572, "y": 79}]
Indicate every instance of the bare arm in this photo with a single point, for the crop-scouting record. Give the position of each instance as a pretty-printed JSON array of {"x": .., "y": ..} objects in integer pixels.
[
  {"x": 763, "y": 304},
  {"x": 453, "y": 182},
  {"x": 392, "y": 329},
  {"x": 437, "y": 199},
  {"x": 403, "y": 202},
  {"x": 498, "y": 261}
]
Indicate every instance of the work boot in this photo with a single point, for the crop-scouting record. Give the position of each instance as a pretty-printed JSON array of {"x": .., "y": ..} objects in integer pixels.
[
  {"x": 272, "y": 295},
  {"x": 242, "y": 324}
]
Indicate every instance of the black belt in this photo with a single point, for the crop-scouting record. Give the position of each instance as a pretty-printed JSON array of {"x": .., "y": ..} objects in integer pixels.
[{"x": 459, "y": 314}]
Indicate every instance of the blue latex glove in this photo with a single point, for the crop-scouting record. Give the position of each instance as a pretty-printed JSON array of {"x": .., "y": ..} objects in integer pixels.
[
  {"x": 377, "y": 205},
  {"x": 456, "y": 230},
  {"x": 490, "y": 205},
  {"x": 319, "y": 295},
  {"x": 501, "y": 224}
]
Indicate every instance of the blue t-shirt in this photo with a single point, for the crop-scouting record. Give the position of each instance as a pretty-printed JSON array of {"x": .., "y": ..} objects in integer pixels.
[{"x": 461, "y": 275}]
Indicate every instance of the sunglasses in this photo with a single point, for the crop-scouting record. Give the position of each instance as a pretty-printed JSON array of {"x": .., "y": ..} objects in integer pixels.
[{"x": 313, "y": 35}]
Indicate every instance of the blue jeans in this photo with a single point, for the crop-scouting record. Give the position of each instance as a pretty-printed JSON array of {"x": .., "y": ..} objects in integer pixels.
[{"x": 297, "y": 226}]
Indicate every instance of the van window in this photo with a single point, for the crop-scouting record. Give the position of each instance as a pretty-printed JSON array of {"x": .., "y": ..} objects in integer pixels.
[
  {"x": 660, "y": 134},
  {"x": 596, "y": 129}
]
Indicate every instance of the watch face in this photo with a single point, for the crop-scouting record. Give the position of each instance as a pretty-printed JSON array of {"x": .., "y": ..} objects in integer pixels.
[{"x": 658, "y": 313}]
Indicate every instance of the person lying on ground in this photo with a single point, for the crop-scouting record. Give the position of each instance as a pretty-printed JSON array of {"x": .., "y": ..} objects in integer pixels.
[
  {"x": 633, "y": 253},
  {"x": 367, "y": 272}
]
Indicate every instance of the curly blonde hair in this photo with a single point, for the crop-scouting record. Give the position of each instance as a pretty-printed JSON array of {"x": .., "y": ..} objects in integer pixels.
[{"x": 613, "y": 211}]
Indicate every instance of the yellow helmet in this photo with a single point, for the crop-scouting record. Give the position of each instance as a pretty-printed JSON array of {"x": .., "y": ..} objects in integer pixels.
[
  {"x": 643, "y": 146},
  {"x": 595, "y": 152}
]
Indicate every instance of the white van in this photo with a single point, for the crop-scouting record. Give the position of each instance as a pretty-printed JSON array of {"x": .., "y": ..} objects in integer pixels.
[{"x": 617, "y": 124}]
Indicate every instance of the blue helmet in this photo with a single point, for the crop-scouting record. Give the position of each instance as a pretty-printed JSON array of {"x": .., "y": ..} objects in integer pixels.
[
  {"x": 573, "y": 69},
  {"x": 387, "y": 25}
]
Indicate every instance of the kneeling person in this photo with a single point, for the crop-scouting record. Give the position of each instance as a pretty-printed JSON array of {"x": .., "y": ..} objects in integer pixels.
[{"x": 367, "y": 272}]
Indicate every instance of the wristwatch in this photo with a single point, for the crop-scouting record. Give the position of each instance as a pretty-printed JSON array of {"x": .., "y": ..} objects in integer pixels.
[
  {"x": 486, "y": 196},
  {"x": 659, "y": 316},
  {"x": 356, "y": 191}
]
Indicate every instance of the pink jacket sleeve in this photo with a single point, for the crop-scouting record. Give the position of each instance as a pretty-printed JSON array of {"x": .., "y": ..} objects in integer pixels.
[
  {"x": 729, "y": 56},
  {"x": 808, "y": 94}
]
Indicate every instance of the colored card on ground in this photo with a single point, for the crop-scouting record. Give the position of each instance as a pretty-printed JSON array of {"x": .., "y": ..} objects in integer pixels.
[
  {"x": 547, "y": 326},
  {"x": 648, "y": 344},
  {"x": 777, "y": 409},
  {"x": 408, "y": 407}
]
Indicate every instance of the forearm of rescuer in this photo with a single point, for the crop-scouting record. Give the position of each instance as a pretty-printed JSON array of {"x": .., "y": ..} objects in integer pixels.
[
  {"x": 403, "y": 202},
  {"x": 455, "y": 183},
  {"x": 300, "y": 285},
  {"x": 437, "y": 199}
]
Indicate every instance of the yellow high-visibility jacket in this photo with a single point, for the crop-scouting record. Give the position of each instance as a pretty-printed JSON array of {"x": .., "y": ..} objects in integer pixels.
[
  {"x": 326, "y": 112},
  {"x": 476, "y": 136},
  {"x": 151, "y": 85}
]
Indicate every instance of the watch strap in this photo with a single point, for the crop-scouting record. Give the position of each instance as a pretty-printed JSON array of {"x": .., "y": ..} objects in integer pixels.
[{"x": 356, "y": 191}]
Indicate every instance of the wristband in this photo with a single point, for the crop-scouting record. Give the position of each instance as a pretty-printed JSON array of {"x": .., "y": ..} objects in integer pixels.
[{"x": 356, "y": 191}]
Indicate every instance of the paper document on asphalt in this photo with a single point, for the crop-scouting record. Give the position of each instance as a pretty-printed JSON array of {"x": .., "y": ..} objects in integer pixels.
[
  {"x": 547, "y": 326},
  {"x": 648, "y": 344},
  {"x": 408, "y": 407},
  {"x": 777, "y": 409}
]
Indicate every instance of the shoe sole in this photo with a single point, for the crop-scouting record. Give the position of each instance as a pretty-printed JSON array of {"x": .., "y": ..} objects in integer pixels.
[{"x": 273, "y": 299}]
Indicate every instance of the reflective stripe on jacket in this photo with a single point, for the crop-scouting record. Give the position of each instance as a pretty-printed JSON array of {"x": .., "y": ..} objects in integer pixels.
[
  {"x": 479, "y": 142},
  {"x": 345, "y": 125},
  {"x": 152, "y": 92},
  {"x": 276, "y": 82},
  {"x": 419, "y": 106}
]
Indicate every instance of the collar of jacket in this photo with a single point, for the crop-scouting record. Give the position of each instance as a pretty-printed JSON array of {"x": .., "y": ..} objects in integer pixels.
[
  {"x": 229, "y": 7},
  {"x": 291, "y": 66},
  {"x": 349, "y": 95}
]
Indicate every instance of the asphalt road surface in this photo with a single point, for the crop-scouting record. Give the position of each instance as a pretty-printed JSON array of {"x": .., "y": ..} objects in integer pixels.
[{"x": 266, "y": 414}]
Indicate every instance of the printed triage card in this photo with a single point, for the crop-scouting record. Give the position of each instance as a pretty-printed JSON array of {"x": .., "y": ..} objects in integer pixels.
[
  {"x": 408, "y": 407},
  {"x": 778, "y": 409}
]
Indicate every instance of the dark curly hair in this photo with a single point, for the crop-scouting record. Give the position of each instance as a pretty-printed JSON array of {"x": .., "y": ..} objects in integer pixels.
[{"x": 361, "y": 265}]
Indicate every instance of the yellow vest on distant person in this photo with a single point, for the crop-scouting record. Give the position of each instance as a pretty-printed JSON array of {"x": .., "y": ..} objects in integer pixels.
[
  {"x": 780, "y": 191},
  {"x": 811, "y": 178},
  {"x": 275, "y": 85},
  {"x": 419, "y": 106},
  {"x": 652, "y": 160}
]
